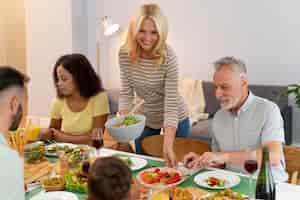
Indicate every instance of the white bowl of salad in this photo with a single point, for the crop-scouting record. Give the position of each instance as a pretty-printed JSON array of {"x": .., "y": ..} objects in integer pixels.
[{"x": 126, "y": 127}]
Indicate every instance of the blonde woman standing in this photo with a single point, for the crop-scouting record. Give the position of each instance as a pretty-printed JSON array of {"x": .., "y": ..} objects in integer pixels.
[{"x": 149, "y": 70}]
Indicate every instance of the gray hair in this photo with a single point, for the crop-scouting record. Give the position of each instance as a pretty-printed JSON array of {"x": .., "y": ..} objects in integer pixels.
[{"x": 236, "y": 64}]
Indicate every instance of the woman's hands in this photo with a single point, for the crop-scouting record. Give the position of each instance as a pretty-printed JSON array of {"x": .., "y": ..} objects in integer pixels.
[
  {"x": 168, "y": 151},
  {"x": 45, "y": 134}
]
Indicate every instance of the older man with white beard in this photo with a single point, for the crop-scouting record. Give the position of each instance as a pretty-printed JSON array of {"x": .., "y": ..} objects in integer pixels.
[
  {"x": 12, "y": 96},
  {"x": 244, "y": 124}
]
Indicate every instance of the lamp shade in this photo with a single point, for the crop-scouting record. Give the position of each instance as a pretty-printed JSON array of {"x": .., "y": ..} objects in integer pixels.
[{"x": 109, "y": 27}]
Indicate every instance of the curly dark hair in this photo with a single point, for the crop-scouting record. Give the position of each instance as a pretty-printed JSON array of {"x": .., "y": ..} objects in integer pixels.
[
  {"x": 109, "y": 179},
  {"x": 87, "y": 81}
]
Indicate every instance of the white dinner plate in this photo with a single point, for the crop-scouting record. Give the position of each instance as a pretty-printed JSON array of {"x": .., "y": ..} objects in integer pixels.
[
  {"x": 137, "y": 163},
  {"x": 59, "y": 195},
  {"x": 58, "y": 145},
  {"x": 231, "y": 180}
]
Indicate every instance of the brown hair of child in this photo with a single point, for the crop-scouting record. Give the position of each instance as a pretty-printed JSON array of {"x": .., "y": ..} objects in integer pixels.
[{"x": 109, "y": 179}]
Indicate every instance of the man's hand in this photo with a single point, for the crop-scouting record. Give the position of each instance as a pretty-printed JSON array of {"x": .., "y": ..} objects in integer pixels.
[
  {"x": 208, "y": 159},
  {"x": 190, "y": 159}
]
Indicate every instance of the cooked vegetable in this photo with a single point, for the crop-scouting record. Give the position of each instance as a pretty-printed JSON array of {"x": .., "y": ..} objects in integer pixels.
[
  {"x": 127, "y": 161},
  {"x": 54, "y": 181},
  {"x": 35, "y": 153},
  {"x": 78, "y": 154},
  {"x": 55, "y": 149},
  {"x": 157, "y": 176},
  {"x": 213, "y": 181},
  {"x": 228, "y": 194},
  {"x": 76, "y": 183}
]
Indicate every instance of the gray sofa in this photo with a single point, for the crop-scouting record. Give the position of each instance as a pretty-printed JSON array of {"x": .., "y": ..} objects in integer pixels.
[{"x": 200, "y": 129}]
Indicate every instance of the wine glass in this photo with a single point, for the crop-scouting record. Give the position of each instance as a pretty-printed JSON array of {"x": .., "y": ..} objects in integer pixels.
[
  {"x": 97, "y": 139},
  {"x": 251, "y": 166}
]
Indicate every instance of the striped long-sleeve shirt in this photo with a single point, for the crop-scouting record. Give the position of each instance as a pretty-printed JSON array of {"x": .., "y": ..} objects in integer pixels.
[{"x": 157, "y": 85}]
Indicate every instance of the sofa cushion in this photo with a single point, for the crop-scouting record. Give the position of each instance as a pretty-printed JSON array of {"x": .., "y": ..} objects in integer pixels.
[
  {"x": 113, "y": 96},
  {"x": 201, "y": 130}
]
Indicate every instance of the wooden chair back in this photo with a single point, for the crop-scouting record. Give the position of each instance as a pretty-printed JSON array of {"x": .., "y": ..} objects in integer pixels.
[
  {"x": 292, "y": 159},
  {"x": 153, "y": 145}
]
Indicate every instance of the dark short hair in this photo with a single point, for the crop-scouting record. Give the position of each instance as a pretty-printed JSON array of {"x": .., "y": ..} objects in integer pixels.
[
  {"x": 87, "y": 81},
  {"x": 10, "y": 77},
  {"x": 109, "y": 179}
]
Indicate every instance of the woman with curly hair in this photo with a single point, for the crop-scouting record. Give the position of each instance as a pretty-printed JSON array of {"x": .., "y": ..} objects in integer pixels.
[{"x": 81, "y": 103}]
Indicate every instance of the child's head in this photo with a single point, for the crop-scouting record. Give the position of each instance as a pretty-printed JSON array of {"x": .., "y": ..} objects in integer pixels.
[{"x": 109, "y": 179}]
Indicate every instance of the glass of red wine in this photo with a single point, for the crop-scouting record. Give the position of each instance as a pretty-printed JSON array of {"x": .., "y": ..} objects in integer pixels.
[
  {"x": 251, "y": 166},
  {"x": 97, "y": 139}
]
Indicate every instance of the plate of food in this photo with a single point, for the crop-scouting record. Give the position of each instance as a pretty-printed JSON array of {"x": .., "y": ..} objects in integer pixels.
[
  {"x": 53, "y": 149},
  {"x": 78, "y": 154},
  {"x": 34, "y": 152},
  {"x": 134, "y": 163},
  {"x": 227, "y": 194},
  {"x": 160, "y": 177},
  {"x": 58, "y": 195},
  {"x": 180, "y": 193},
  {"x": 217, "y": 180}
]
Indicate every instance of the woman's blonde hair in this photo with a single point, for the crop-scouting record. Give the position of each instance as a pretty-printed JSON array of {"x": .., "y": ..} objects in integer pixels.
[{"x": 153, "y": 12}]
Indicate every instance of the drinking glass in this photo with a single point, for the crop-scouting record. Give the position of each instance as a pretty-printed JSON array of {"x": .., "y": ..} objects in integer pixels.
[
  {"x": 33, "y": 124},
  {"x": 97, "y": 139},
  {"x": 250, "y": 166}
]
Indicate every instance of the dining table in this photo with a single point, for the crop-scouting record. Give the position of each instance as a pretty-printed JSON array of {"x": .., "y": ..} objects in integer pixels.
[{"x": 242, "y": 187}]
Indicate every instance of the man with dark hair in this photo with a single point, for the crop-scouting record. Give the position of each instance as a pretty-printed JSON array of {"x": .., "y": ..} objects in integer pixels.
[{"x": 12, "y": 98}]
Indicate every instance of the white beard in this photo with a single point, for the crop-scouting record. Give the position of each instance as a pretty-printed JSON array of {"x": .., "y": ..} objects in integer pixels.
[{"x": 231, "y": 104}]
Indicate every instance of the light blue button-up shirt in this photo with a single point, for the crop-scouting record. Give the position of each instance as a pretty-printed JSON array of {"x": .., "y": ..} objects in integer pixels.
[
  {"x": 257, "y": 122},
  {"x": 11, "y": 173}
]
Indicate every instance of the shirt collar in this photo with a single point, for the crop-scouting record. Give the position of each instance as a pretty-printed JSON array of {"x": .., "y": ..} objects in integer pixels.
[
  {"x": 2, "y": 140},
  {"x": 247, "y": 103}
]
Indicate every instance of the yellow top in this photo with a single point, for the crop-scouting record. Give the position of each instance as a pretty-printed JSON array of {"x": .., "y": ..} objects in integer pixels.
[{"x": 80, "y": 122}]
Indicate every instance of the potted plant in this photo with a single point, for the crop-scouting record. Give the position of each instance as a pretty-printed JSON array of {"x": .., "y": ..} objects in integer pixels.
[{"x": 295, "y": 90}]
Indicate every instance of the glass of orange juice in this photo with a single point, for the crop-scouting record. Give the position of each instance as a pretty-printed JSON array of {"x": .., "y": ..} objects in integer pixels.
[{"x": 34, "y": 128}]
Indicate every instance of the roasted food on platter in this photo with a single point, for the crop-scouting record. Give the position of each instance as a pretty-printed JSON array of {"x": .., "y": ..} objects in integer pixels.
[
  {"x": 54, "y": 184},
  {"x": 180, "y": 193},
  {"x": 227, "y": 194},
  {"x": 37, "y": 171}
]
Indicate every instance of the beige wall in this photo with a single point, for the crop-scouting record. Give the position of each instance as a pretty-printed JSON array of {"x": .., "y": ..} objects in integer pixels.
[{"x": 12, "y": 34}]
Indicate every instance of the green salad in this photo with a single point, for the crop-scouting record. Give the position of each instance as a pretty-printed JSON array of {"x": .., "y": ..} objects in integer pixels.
[
  {"x": 76, "y": 183},
  {"x": 128, "y": 121},
  {"x": 34, "y": 153},
  {"x": 55, "y": 149}
]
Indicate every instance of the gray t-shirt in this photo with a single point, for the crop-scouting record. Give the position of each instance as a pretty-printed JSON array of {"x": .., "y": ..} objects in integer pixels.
[{"x": 257, "y": 122}]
